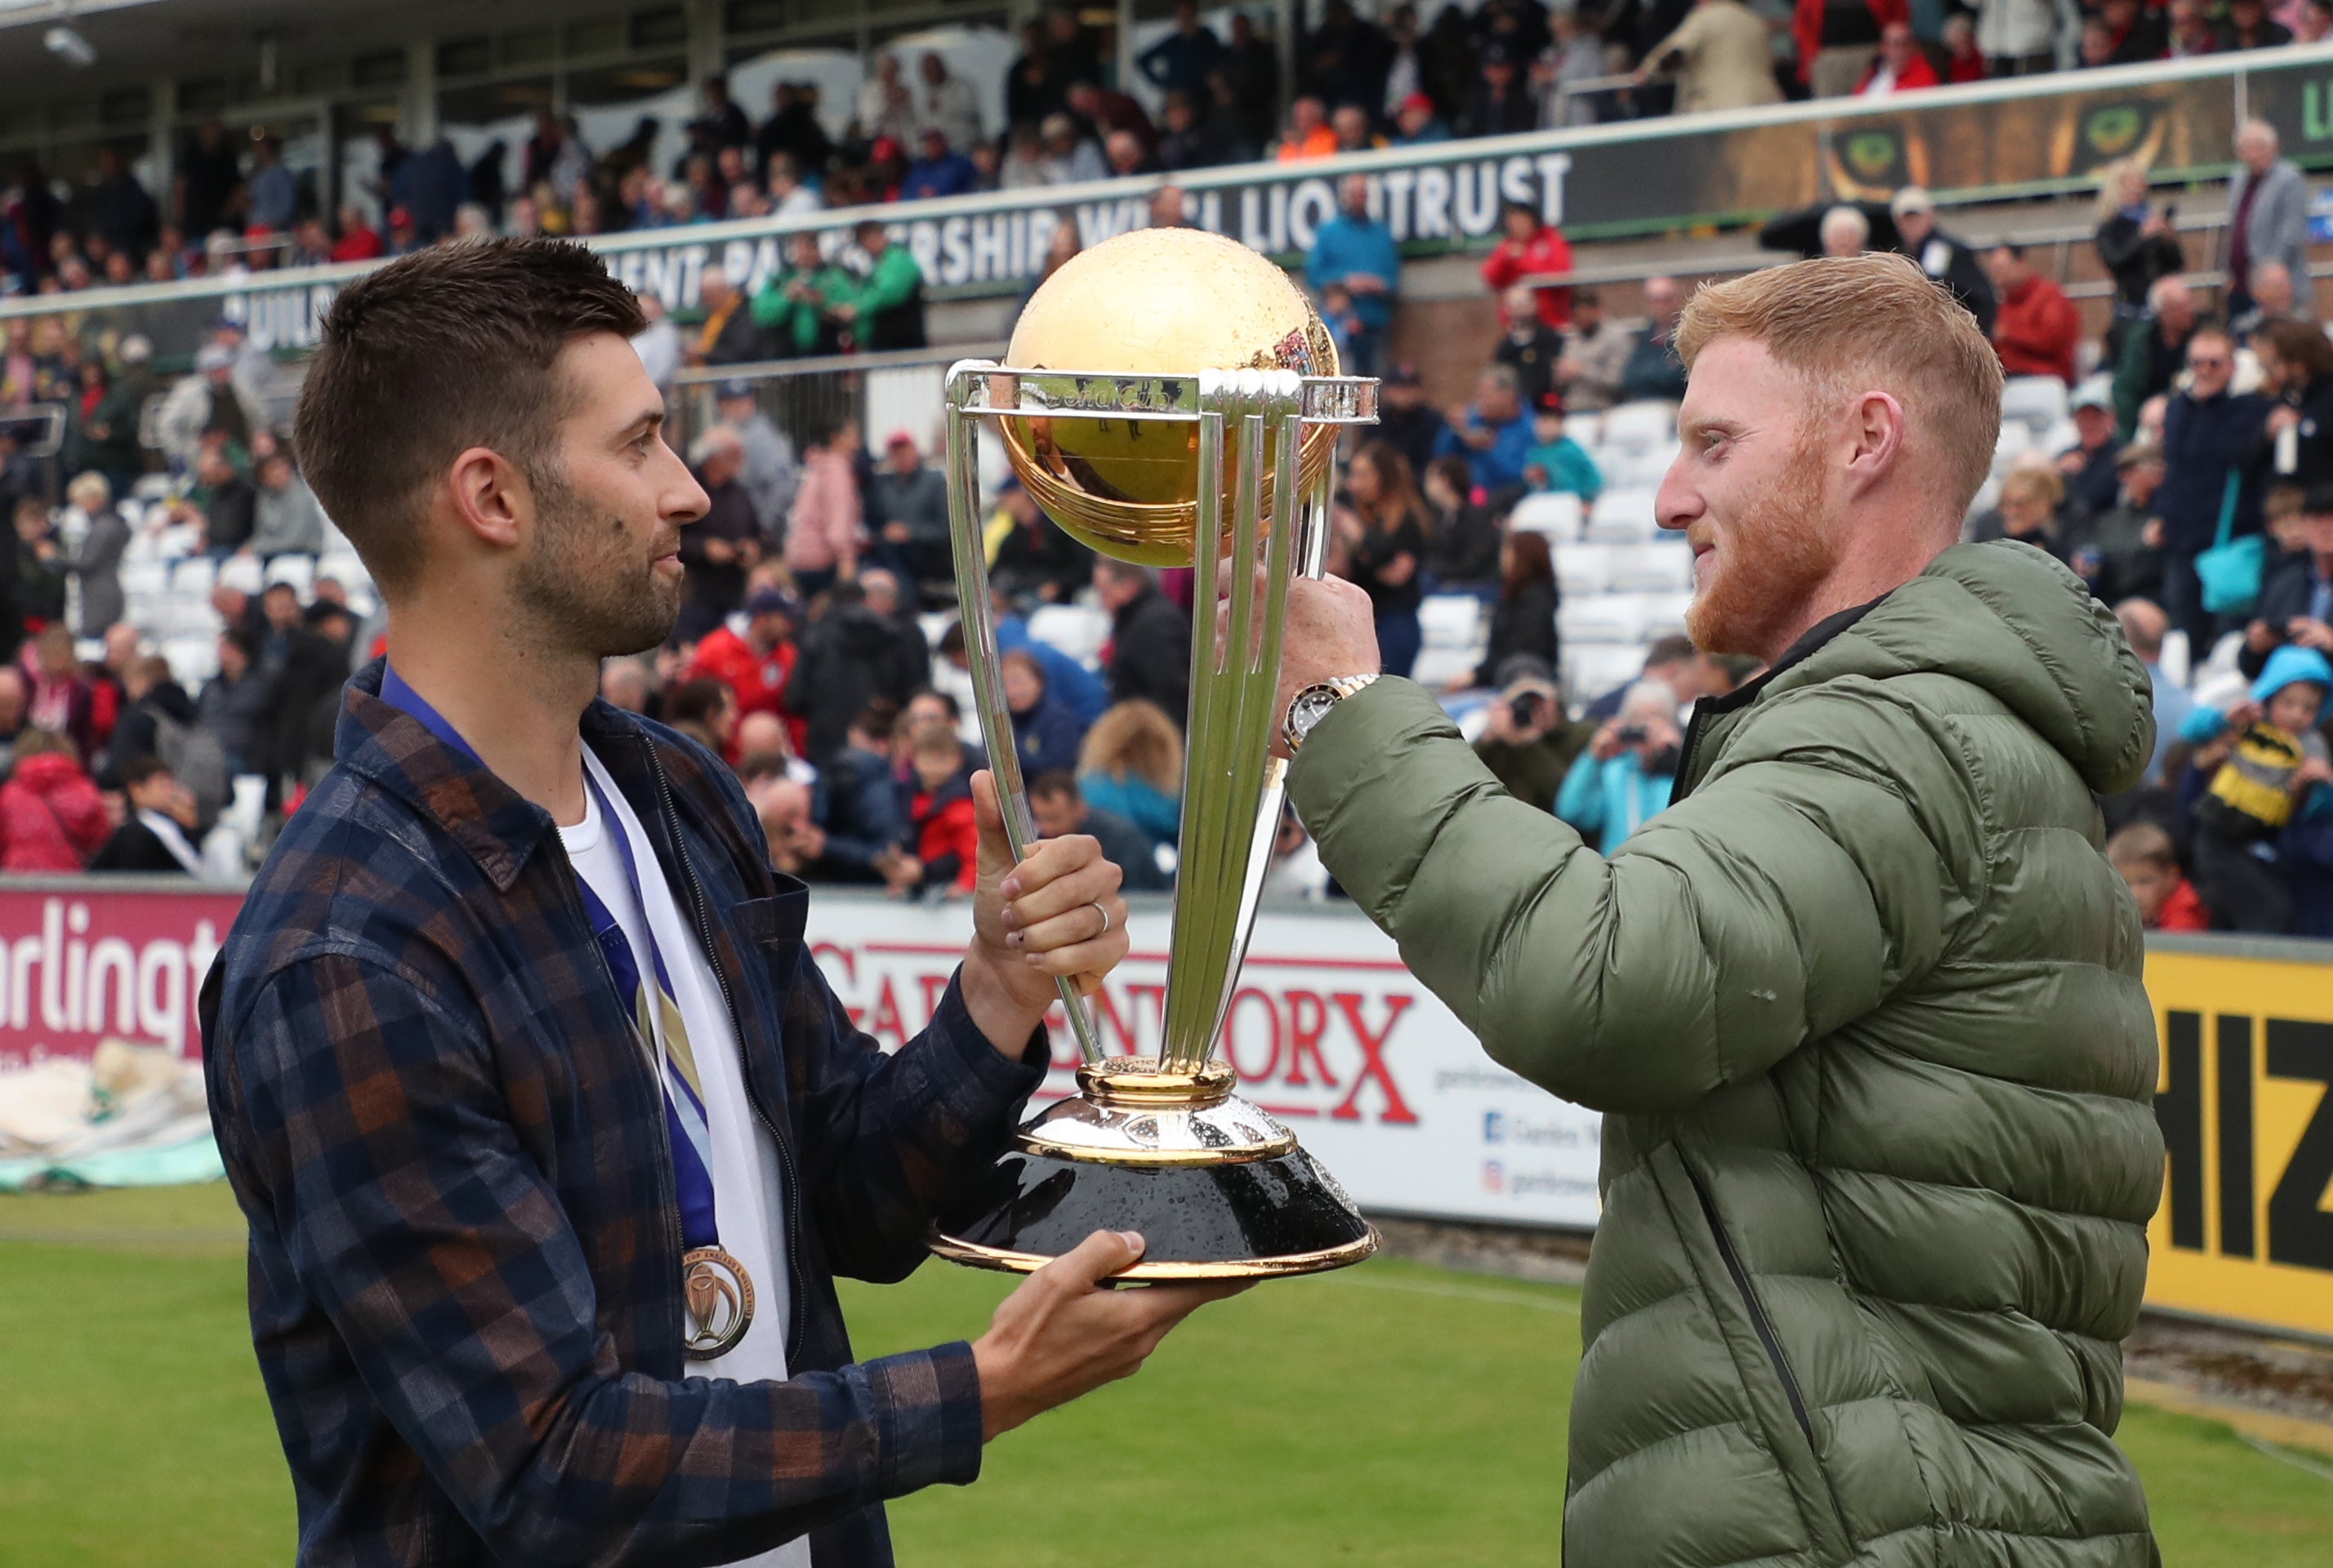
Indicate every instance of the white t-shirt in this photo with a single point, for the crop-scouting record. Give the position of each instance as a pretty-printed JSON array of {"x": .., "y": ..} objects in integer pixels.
[{"x": 748, "y": 1194}]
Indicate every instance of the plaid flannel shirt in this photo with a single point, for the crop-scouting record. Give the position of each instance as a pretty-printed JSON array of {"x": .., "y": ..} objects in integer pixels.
[{"x": 449, "y": 1143}]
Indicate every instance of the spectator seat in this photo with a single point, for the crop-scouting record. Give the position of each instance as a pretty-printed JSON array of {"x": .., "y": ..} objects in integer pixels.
[
  {"x": 1078, "y": 630},
  {"x": 1622, "y": 517},
  {"x": 1582, "y": 570},
  {"x": 1553, "y": 514},
  {"x": 1661, "y": 568},
  {"x": 1591, "y": 670},
  {"x": 1639, "y": 426},
  {"x": 2035, "y": 402},
  {"x": 299, "y": 570},
  {"x": 1638, "y": 469},
  {"x": 1451, "y": 621},
  {"x": 195, "y": 575},
  {"x": 1600, "y": 618}
]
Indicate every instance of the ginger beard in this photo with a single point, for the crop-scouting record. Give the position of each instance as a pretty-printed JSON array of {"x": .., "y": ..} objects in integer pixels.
[
  {"x": 1768, "y": 556},
  {"x": 589, "y": 581}
]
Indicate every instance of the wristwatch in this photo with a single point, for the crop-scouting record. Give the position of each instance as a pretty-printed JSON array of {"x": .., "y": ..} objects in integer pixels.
[{"x": 1313, "y": 705}]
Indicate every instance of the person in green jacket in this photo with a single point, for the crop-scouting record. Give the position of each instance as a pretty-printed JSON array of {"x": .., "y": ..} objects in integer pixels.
[
  {"x": 888, "y": 311},
  {"x": 1862, "y": 1006},
  {"x": 794, "y": 306}
]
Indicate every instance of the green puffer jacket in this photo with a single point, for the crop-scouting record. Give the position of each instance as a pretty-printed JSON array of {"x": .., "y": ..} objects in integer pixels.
[{"x": 1864, "y": 1011}]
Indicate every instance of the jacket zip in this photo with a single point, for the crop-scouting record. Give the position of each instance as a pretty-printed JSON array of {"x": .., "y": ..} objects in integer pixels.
[
  {"x": 667, "y": 1186},
  {"x": 1764, "y": 1330},
  {"x": 1684, "y": 775},
  {"x": 700, "y": 910}
]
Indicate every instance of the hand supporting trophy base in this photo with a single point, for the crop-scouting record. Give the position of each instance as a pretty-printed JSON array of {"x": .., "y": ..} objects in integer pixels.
[{"x": 1207, "y": 444}]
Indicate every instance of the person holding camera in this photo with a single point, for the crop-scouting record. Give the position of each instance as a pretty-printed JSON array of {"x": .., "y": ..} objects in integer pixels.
[
  {"x": 1528, "y": 743},
  {"x": 1628, "y": 771}
]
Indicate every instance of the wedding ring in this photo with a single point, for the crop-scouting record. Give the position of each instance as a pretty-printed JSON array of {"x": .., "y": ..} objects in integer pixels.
[{"x": 1104, "y": 919}]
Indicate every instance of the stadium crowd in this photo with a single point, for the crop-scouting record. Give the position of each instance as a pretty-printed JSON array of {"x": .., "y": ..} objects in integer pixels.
[
  {"x": 2180, "y": 462},
  {"x": 1411, "y": 75}
]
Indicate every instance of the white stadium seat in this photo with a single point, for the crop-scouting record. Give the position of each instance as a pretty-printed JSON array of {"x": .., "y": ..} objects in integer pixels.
[
  {"x": 144, "y": 578},
  {"x": 2015, "y": 442},
  {"x": 1581, "y": 570},
  {"x": 1451, "y": 621},
  {"x": 1638, "y": 427},
  {"x": 2037, "y": 402},
  {"x": 1662, "y": 615},
  {"x": 1600, "y": 618},
  {"x": 299, "y": 570},
  {"x": 241, "y": 572},
  {"x": 1592, "y": 669},
  {"x": 1644, "y": 469},
  {"x": 1078, "y": 630},
  {"x": 1622, "y": 517},
  {"x": 1662, "y": 568},
  {"x": 343, "y": 567},
  {"x": 1587, "y": 430},
  {"x": 1438, "y": 667},
  {"x": 1556, "y": 514},
  {"x": 195, "y": 575}
]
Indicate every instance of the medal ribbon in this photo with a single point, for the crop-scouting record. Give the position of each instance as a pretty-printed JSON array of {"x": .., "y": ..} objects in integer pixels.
[{"x": 655, "y": 1011}]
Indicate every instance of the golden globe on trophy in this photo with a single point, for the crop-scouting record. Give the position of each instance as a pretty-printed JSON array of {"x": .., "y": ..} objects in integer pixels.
[{"x": 1171, "y": 400}]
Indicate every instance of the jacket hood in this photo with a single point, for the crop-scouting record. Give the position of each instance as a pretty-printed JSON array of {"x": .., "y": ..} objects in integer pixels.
[
  {"x": 2007, "y": 618},
  {"x": 45, "y": 773},
  {"x": 170, "y": 699},
  {"x": 2290, "y": 663}
]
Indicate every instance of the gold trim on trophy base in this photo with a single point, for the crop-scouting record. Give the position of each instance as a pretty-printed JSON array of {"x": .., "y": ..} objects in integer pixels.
[
  {"x": 1140, "y": 1081},
  {"x": 1129, "y": 1112},
  {"x": 976, "y": 1255}
]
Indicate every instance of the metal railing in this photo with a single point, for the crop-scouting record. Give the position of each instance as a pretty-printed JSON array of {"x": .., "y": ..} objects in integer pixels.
[{"x": 807, "y": 399}]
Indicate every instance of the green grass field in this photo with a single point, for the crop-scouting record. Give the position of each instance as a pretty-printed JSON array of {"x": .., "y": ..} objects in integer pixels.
[{"x": 1389, "y": 1415}]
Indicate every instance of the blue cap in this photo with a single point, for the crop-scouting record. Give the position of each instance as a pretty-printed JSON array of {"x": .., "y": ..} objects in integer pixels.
[
  {"x": 2288, "y": 664},
  {"x": 770, "y": 601},
  {"x": 728, "y": 390}
]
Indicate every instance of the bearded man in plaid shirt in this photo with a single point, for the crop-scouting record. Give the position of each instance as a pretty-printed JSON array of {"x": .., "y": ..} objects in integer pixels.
[{"x": 551, "y": 1135}]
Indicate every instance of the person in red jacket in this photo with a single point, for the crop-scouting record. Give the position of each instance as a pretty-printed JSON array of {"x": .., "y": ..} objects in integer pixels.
[
  {"x": 52, "y": 817},
  {"x": 1838, "y": 38},
  {"x": 756, "y": 664},
  {"x": 1530, "y": 248},
  {"x": 940, "y": 809},
  {"x": 2035, "y": 327},
  {"x": 1900, "y": 65},
  {"x": 2167, "y": 900}
]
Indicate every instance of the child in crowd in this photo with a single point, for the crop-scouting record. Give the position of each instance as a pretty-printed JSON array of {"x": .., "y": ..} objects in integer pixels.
[
  {"x": 2275, "y": 762},
  {"x": 2167, "y": 901},
  {"x": 1556, "y": 461},
  {"x": 947, "y": 836},
  {"x": 1344, "y": 321}
]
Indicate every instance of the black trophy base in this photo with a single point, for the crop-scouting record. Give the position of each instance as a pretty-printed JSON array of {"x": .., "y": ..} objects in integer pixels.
[{"x": 1246, "y": 1220}]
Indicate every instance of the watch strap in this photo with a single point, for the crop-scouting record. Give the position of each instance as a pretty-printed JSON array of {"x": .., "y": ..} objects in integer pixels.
[{"x": 1337, "y": 690}]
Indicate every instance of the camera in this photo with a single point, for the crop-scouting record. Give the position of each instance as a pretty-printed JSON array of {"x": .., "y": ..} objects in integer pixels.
[
  {"x": 1525, "y": 710},
  {"x": 1631, "y": 734}
]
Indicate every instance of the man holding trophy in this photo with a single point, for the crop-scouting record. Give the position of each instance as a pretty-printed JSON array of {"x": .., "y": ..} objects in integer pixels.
[
  {"x": 551, "y": 1135},
  {"x": 1862, "y": 1006}
]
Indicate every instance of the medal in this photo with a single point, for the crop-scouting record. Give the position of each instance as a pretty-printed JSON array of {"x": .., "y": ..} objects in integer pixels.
[{"x": 717, "y": 1297}]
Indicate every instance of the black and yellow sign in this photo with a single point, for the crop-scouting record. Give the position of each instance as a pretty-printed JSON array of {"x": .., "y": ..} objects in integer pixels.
[{"x": 2245, "y": 1100}]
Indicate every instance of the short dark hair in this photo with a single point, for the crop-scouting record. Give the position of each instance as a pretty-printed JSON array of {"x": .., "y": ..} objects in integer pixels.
[
  {"x": 1052, "y": 784},
  {"x": 1670, "y": 650},
  {"x": 945, "y": 699},
  {"x": 443, "y": 349},
  {"x": 138, "y": 770},
  {"x": 877, "y": 719},
  {"x": 695, "y": 701}
]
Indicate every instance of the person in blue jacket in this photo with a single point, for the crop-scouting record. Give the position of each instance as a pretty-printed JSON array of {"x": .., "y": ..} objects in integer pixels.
[
  {"x": 2212, "y": 436},
  {"x": 1046, "y": 730},
  {"x": 1627, "y": 771},
  {"x": 1357, "y": 252}
]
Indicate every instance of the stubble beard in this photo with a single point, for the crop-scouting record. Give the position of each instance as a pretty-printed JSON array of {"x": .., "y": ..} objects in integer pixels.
[
  {"x": 587, "y": 585},
  {"x": 1771, "y": 559}
]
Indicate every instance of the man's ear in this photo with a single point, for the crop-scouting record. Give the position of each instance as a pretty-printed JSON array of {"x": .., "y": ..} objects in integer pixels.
[
  {"x": 490, "y": 499},
  {"x": 1876, "y": 438}
]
